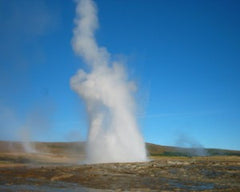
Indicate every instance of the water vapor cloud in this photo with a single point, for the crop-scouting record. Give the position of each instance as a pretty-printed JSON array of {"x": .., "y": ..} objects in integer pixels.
[{"x": 113, "y": 134}]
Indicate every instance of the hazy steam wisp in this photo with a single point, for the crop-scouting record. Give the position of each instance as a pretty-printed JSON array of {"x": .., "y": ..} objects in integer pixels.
[
  {"x": 113, "y": 132},
  {"x": 194, "y": 147}
]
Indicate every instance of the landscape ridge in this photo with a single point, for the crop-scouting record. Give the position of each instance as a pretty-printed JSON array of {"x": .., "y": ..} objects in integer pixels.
[{"x": 152, "y": 149}]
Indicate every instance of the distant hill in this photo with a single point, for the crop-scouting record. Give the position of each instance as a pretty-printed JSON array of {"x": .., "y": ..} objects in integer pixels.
[
  {"x": 158, "y": 150},
  {"x": 79, "y": 148},
  {"x": 45, "y": 147}
]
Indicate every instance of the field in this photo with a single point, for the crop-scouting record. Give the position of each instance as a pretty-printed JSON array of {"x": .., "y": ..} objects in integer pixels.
[{"x": 60, "y": 167}]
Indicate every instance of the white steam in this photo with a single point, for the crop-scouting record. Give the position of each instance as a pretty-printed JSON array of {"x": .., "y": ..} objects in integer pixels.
[{"x": 113, "y": 132}]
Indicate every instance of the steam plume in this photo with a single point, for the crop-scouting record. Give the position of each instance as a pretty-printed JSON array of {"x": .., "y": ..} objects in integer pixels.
[
  {"x": 113, "y": 134},
  {"x": 195, "y": 148}
]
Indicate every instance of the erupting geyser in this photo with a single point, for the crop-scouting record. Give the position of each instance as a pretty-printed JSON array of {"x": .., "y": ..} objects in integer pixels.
[{"x": 113, "y": 134}]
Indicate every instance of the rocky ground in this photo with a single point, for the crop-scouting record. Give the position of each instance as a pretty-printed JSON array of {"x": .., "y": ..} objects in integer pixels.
[
  {"x": 52, "y": 172},
  {"x": 163, "y": 174}
]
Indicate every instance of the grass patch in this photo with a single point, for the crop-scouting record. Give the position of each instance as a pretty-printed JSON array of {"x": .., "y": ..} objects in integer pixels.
[{"x": 172, "y": 154}]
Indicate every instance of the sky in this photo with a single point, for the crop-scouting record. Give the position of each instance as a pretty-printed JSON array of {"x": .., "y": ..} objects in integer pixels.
[{"x": 183, "y": 55}]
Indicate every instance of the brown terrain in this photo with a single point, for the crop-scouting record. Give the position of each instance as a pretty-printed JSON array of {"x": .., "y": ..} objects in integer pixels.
[{"x": 60, "y": 167}]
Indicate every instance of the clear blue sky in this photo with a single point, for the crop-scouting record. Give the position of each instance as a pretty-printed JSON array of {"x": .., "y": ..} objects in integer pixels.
[{"x": 184, "y": 56}]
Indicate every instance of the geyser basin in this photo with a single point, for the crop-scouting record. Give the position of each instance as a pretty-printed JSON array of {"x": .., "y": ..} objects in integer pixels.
[{"x": 108, "y": 94}]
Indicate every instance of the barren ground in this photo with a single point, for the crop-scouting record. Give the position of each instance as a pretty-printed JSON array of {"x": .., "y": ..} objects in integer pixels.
[{"x": 64, "y": 172}]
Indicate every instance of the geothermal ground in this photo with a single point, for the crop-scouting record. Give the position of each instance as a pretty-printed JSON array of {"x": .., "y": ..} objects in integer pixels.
[{"x": 57, "y": 167}]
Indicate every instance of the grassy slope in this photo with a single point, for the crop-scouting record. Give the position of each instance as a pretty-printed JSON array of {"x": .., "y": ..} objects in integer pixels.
[
  {"x": 158, "y": 150},
  {"x": 74, "y": 147}
]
